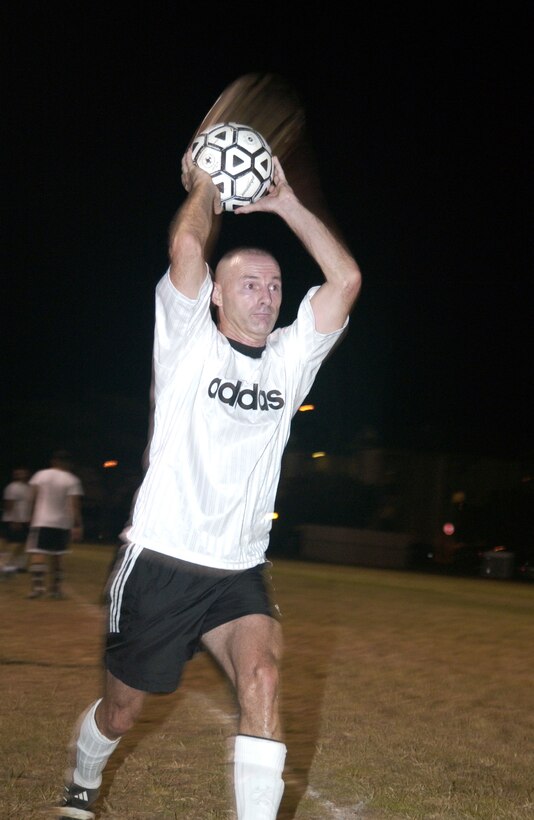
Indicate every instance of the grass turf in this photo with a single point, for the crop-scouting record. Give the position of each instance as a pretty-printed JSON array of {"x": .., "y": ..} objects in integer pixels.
[{"x": 404, "y": 695}]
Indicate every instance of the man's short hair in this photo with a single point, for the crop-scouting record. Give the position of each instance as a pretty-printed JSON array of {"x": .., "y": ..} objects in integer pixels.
[
  {"x": 244, "y": 249},
  {"x": 62, "y": 457},
  {"x": 251, "y": 250}
]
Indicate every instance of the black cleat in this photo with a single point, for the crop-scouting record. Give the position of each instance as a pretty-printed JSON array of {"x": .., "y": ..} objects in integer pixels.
[{"x": 77, "y": 802}]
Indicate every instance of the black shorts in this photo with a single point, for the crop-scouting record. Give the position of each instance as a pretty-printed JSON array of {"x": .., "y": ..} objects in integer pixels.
[
  {"x": 50, "y": 540},
  {"x": 17, "y": 533},
  {"x": 159, "y": 608}
]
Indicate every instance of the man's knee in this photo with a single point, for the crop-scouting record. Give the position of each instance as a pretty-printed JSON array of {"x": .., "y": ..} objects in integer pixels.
[
  {"x": 119, "y": 708},
  {"x": 114, "y": 720},
  {"x": 259, "y": 684}
]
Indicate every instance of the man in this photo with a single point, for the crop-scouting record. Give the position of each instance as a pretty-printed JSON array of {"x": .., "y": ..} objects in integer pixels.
[
  {"x": 17, "y": 509},
  {"x": 224, "y": 399},
  {"x": 56, "y": 520}
]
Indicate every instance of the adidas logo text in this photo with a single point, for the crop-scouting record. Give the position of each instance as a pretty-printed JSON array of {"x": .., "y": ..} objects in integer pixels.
[{"x": 248, "y": 398}]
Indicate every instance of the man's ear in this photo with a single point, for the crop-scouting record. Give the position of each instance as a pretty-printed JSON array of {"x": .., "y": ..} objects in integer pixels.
[{"x": 216, "y": 294}]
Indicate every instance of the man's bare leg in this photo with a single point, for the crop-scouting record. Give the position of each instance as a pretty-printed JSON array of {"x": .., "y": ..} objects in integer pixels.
[{"x": 249, "y": 650}]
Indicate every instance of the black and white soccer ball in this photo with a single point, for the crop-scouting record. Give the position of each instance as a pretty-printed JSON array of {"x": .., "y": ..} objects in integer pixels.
[{"x": 239, "y": 161}]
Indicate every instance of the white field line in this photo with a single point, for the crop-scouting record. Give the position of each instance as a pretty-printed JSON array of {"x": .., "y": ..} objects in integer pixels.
[{"x": 346, "y": 813}]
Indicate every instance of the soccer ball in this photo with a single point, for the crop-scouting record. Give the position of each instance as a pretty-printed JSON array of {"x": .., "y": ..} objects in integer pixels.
[{"x": 239, "y": 161}]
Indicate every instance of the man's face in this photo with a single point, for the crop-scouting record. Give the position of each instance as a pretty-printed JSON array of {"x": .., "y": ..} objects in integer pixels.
[{"x": 248, "y": 294}]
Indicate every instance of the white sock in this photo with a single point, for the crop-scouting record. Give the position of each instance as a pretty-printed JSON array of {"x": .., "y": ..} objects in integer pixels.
[
  {"x": 92, "y": 752},
  {"x": 258, "y": 784}
]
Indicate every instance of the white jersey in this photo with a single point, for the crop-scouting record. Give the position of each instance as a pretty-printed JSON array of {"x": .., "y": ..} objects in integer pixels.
[
  {"x": 52, "y": 504},
  {"x": 222, "y": 421},
  {"x": 21, "y": 494}
]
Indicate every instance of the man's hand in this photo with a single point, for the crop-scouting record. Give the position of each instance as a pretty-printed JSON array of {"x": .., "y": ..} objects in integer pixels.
[
  {"x": 279, "y": 194},
  {"x": 192, "y": 174}
]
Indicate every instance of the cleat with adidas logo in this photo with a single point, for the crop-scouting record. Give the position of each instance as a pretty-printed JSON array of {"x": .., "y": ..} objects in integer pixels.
[{"x": 77, "y": 802}]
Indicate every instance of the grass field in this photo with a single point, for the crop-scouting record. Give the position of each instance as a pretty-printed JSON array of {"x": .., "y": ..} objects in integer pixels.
[{"x": 404, "y": 696}]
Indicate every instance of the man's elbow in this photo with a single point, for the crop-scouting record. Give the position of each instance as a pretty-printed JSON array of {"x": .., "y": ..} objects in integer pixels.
[
  {"x": 351, "y": 284},
  {"x": 184, "y": 246}
]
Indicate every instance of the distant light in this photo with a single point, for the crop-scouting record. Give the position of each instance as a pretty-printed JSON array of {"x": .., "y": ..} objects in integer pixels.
[
  {"x": 271, "y": 516},
  {"x": 448, "y": 528},
  {"x": 305, "y": 408},
  {"x": 319, "y": 454},
  {"x": 107, "y": 464}
]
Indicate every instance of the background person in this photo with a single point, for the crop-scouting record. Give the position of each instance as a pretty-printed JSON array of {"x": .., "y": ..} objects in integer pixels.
[
  {"x": 56, "y": 520},
  {"x": 194, "y": 571},
  {"x": 17, "y": 508}
]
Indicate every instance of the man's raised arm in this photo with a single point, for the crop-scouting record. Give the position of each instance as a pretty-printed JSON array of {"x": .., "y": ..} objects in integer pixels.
[
  {"x": 335, "y": 298},
  {"x": 191, "y": 229}
]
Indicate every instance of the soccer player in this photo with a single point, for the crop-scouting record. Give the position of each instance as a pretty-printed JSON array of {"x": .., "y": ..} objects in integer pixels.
[
  {"x": 56, "y": 521},
  {"x": 17, "y": 510},
  {"x": 194, "y": 572}
]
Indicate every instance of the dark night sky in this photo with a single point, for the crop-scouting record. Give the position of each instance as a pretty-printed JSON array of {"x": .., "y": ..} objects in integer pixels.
[{"x": 419, "y": 124}]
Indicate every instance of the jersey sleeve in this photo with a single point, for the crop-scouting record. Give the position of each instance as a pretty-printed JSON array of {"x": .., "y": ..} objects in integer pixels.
[
  {"x": 75, "y": 487},
  {"x": 180, "y": 323},
  {"x": 304, "y": 349}
]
